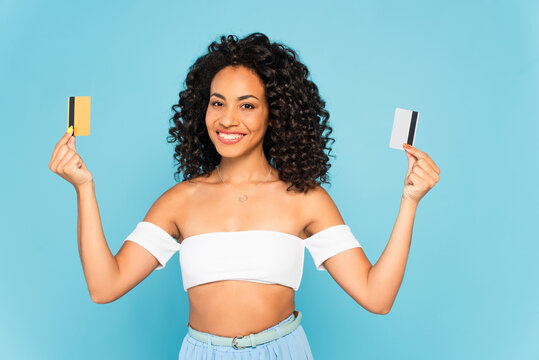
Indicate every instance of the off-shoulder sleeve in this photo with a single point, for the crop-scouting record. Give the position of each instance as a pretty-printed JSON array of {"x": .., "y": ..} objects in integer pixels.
[
  {"x": 156, "y": 240},
  {"x": 328, "y": 242}
]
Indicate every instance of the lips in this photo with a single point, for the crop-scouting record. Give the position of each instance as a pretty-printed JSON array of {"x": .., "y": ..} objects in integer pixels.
[
  {"x": 230, "y": 141},
  {"x": 229, "y": 132}
]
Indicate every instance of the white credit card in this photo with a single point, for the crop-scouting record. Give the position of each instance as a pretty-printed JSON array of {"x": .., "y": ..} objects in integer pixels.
[{"x": 404, "y": 126}]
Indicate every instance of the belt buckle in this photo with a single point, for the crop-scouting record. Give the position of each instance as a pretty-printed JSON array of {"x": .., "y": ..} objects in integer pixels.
[{"x": 235, "y": 342}]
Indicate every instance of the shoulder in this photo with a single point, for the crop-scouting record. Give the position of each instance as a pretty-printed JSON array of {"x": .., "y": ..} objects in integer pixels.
[
  {"x": 320, "y": 211},
  {"x": 168, "y": 206}
]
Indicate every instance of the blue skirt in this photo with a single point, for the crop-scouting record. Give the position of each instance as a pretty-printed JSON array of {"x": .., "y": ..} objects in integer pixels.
[{"x": 291, "y": 346}]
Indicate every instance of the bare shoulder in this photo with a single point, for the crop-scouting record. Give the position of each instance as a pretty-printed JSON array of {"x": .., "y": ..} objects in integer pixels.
[
  {"x": 320, "y": 211},
  {"x": 166, "y": 209}
]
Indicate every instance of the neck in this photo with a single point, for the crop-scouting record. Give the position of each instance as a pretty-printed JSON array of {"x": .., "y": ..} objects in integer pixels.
[{"x": 253, "y": 168}]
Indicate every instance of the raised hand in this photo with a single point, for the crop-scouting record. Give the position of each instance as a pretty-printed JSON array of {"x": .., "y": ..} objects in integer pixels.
[
  {"x": 421, "y": 176},
  {"x": 67, "y": 163}
]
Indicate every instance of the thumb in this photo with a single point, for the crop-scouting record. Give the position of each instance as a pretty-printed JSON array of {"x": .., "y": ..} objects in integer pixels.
[
  {"x": 411, "y": 161},
  {"x": 71, "y": 143}
]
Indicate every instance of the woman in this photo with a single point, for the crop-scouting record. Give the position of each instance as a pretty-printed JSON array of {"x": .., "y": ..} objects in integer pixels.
[{"x": 252, "y": 133}]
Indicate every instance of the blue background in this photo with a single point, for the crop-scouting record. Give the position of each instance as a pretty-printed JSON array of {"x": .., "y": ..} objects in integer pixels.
[{"x": 470, "y": 69}]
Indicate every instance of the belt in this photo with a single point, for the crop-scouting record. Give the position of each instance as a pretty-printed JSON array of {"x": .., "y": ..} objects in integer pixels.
[{"x": 239, "y": 342}]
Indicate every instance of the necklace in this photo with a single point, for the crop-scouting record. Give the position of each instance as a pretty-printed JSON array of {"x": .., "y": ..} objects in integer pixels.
[{"x": 243, "y": 197}]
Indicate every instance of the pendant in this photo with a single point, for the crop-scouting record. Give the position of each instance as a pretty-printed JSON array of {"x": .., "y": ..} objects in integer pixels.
[{"x": 243, "y": 198}]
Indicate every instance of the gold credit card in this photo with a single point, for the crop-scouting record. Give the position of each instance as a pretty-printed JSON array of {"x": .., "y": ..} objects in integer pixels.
[{"x": 78, "y": 114}]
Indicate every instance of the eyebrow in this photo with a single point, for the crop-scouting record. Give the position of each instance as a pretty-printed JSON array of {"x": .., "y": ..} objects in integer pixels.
[{"x": 239, "y": 97}]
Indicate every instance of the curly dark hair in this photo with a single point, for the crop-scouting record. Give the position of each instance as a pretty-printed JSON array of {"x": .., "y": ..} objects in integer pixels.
[{"x": 294, "y": 143}]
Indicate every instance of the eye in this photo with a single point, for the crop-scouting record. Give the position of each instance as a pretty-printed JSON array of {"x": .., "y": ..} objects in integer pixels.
[
  {"x": 251, "y": 106},
  {"x": 215, "y": 102}
]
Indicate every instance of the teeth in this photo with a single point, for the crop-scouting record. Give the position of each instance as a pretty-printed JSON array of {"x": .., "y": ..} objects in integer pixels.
[{"x": 230, "y": 137}]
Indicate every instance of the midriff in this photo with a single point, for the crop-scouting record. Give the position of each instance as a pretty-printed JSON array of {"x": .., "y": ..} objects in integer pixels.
[{"x": 234, "y": 308}]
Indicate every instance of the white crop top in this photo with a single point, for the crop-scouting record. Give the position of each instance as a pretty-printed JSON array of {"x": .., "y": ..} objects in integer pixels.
[{"x": 263, "y": 256}]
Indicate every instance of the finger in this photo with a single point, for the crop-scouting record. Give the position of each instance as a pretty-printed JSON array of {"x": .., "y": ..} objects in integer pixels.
[
  {"x": 63, "y": 140},
  {"x": 71, "y": 143},
  {"x": 426, "y": 166},
  {"x": 411, "y": 162},
  {"x": 414, "y": 151},
  {"x": 58, "y": 157},
  {"x": 65, "y": 164},
  {"x": 415, "y": 179},
  {"x": 422, "y": 155},
  {"x": 427, "y": 178},
  {"x": 432, "y": 164}
]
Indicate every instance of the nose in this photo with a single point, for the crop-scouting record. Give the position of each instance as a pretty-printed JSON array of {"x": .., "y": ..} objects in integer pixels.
[{"x": 229, "y": 118}]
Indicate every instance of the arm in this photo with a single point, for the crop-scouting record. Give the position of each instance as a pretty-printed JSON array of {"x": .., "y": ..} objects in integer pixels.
[
  {"x": 385, "y": 277},
  {"x": 375, "y": 287},
  {"x": 101, "y": 269},
  {"x": 99, "y": 265},
  {"x": 372, "y": 287},
  {"x": 110, "y": 277}
]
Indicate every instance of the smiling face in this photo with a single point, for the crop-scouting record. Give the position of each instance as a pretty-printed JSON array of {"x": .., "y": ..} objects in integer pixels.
[{"x": 237, "y": 113}]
